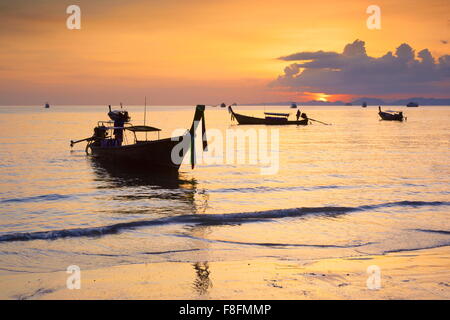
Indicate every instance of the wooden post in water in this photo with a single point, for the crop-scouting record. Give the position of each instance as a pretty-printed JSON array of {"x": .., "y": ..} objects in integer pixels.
[{"x": 145, "y": 114}]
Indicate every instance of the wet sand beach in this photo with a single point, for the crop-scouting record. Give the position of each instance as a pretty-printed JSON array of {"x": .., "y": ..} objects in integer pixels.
[{"x": 421, "y": 274}]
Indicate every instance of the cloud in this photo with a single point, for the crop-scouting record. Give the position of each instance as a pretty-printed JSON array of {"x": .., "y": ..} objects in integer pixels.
[{"x": 354, "y": 72}]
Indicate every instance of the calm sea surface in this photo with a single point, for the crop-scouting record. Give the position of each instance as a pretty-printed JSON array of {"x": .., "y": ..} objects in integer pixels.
[{"x": 359, "y": 186}]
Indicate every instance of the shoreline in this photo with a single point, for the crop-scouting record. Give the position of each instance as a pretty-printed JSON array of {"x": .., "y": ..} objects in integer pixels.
[{"x": 420, "y": 274}]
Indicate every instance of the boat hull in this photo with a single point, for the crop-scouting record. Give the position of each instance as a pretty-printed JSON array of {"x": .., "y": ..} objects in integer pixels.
[
  {"x": 241, "y": 119},
  {"x": 153, "y": 155},
  {"x": 390, "y": 117}
]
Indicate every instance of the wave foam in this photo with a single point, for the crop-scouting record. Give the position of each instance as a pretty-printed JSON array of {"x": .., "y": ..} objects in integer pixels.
[{"x": 206, "y": 219}]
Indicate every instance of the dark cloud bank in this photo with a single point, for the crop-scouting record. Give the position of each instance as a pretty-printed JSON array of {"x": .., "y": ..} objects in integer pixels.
[{"x": 354, "y": 72}]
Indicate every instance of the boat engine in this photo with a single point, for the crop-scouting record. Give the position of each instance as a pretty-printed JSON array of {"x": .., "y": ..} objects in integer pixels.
[
  {"x": 118, "y": 115},
  {"x": 100, "y": 132}
]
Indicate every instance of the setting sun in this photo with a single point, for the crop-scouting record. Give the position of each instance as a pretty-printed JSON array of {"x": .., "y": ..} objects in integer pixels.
[
  {"x": 322, "y": 97},
  {"x": 318, "y": 96}
]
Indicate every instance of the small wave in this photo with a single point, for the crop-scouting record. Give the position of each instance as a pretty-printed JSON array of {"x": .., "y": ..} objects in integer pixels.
[
  {"x": 422, "y": 203},
  {"x": 417, "y": 249},
  {"x": 46, "y": 197},
  {"x": 406, "y": 204},
  {"x": 277, "y": 244},
  {"x": 434, "y": 231},
  {"x": 278, "y": 189},
  {"x": 171, "y": 251},
  {"x": 208, "y": 219}
]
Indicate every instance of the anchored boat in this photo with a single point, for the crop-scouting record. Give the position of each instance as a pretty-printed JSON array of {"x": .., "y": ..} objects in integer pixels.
[
  {"x": 391, "y": 115},
  {"x": 106, "y": 144},
  {"x": 412, "y": 104},
  {"x": 269, "y": 119}
]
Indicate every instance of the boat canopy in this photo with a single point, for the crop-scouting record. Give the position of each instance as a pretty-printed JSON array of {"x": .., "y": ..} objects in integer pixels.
[
  {"x": 142, "y": 129},
  {"x": 277, "y": 114}
]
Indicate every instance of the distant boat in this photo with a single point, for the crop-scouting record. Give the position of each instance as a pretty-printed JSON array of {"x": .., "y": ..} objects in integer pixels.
[
  {"x": 391, "y": 115},
  {"x": 47, "y": 105},
  {"x": 223, "y": 105},
  {"x": 412, "y": 104},
  {"x": 364, "y": 104},
  {"x": 294, "y": 105},
  {"x": 271, "y": 118}
]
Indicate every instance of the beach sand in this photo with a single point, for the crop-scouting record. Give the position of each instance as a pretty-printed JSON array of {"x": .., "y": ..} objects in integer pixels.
[{"x": 421, "y": 274}]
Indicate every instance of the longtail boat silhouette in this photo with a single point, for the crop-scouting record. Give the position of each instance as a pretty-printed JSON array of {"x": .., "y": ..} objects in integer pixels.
[
  {"x": 106, "y": 143},
  {"x": 391, "y": 115},
  {"x": 271, "y": 118}
]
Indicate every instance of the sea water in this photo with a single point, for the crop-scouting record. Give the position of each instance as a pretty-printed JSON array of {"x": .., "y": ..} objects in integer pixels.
[{"x": 358, "y": 186}]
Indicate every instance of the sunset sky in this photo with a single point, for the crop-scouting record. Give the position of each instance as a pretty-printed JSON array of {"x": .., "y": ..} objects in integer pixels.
[{"x": 196, "y": 51}]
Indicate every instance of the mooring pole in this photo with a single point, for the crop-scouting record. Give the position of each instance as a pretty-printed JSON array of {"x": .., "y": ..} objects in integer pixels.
[{"x": 145, "y": 114}]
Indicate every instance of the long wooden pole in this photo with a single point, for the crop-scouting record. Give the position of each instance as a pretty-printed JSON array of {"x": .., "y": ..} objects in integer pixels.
[
  {"x": 327, "y": 124},
  {"x": 145, "y": 114},
  {"x": 145, "y": 108}
]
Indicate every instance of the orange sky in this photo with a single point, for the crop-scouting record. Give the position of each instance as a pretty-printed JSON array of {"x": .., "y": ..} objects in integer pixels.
[{"x": 191, "y": 51}]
